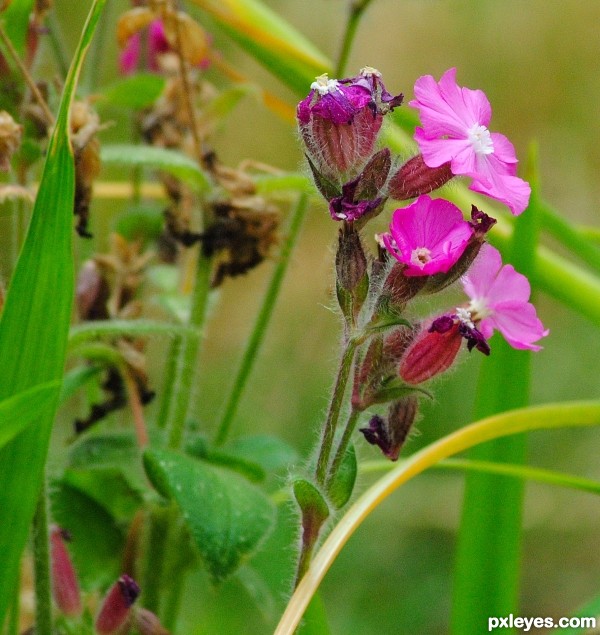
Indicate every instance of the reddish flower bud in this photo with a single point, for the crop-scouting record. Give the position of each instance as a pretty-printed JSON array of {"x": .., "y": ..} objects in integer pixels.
[
  {"x": 65, "y": 587},
  {"x": 339, "y": 122},
  {"x": 116, "y": 607},
  {"x": 430, "y": 354},
  {"x": 415, "y": 178}
]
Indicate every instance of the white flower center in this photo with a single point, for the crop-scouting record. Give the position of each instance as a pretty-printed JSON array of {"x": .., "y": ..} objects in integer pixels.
[
  {"x": 480, "y": 139},
  {"x": 367, "y": 71},
  {"x": 464, "y": 316},
  {"x": 478, "y": 309},
  {"x": 420, "y": 257},
  {"x": 323, "y": 85}
]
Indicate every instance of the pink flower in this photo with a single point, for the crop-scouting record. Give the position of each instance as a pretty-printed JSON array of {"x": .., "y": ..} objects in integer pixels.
[
  {"x": 157, "y": 45},
  {"x": 428, "y": 236},
  {"x": 500, "y": 300},
  {"x": 455, "y": 130}
]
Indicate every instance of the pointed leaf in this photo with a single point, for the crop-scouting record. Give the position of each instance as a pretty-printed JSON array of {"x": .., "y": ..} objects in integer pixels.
[
  {"x": 227, "y": 516},
  {"x": 34, "y": 327}
]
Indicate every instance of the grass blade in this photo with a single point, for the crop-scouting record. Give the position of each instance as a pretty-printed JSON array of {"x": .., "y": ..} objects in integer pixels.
[
  {"x": 486, "y": 580},
  {"x": 34, "y": 329},
  {"x": 549, "y": 416}
]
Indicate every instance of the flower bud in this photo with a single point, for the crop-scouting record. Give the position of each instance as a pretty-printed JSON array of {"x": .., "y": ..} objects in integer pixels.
[
  {"x": 116, "y": 608},
  {"x": 390, "y": 434},
  {"x": 65, "y": 587},
  {"x": 10, "y": 139},
  {"x": 431, "y": 353},
  {"x": 415, "y": 178},
  {"x": 339, "y": 122}
]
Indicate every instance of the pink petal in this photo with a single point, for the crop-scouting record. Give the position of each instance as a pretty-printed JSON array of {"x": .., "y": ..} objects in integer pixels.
[
  {"x": 436, "y": 152},
  {"x": 519, "y": 325},
  {"x": 482, "y": 273},
  {"x": 510, "y": 190},
  {"x": 130, "y": 55},
  {"x": 509, "y": 286}
]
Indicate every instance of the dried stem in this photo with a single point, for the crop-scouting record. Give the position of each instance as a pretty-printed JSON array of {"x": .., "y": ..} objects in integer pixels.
[
  {"x": 28, "y": 79},
  {"x": 137, "y": 410}
]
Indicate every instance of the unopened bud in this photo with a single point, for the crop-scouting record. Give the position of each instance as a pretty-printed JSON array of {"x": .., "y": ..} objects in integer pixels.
[
  {"x": 430, "y": 354},
  {"x": 10, "y": 139},
  {"x": 390, "y": 434},
  {"x": 415, "y": 178},
  {"x": 116, "y": 607},
  {"x": 350, "y": 260},
  {"x": 65, "y": 587},
  {"x": 147, "y": 623},
  {"x": 339, "y": 122}
]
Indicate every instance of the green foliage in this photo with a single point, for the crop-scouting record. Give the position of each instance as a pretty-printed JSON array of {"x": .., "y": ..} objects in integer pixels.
[
  {"x": 16, "y": 412},
  {"x": 227, "y": 516},
  {"x": 340, "y": 490},
  {"x": 135, "y": 92},
  {"x": 170, "y": 161},
  {"x": 34, "y": 327}
]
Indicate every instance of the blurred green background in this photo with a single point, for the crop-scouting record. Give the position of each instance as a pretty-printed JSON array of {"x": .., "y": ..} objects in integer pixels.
[{"x": 539, "y": 63}]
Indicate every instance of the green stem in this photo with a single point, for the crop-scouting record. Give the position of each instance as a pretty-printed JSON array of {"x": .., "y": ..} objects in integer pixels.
[
  {"x": 262, "y": 320},
  {"x": 41, "y": 565},
  {"x": 96, "y": 55},
  {"x": 176, "y": 568},
  {"x": 334, "y": 410},
  {"x": 570, "y": 236},
  {"x": 186, "y": 372},
  {"x": 155, "y": 563},
  {"x": 166, "y": 403},
  {"x": 357, "y": 9},
  {"x": 343, "y": 446}
]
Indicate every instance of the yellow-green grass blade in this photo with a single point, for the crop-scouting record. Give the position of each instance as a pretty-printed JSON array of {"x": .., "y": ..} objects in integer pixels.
[
  {"x": 34, "y": 328},
  {"x": 550, "y": 416}
]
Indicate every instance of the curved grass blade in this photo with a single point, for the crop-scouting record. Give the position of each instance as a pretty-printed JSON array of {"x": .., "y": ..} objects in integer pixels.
[
  {"x": 552, "y": 416},
  {"x": 34, "y": 327}
]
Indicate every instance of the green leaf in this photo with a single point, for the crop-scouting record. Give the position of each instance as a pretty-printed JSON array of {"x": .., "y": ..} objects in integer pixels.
[
  {"x": 135, "y": 92},
  {"x": 270, "y": 39},
  {"x": 34, "y": 327},
  {"x": 223, "y": 105},
  {"x": 104, "y": 450},
  {"x": 227, "y": 516},
  {"x": 171, "y": 161},
  {"x": 270, "y": 452},
  {"x": 311, "y": 501},
  {"x": 108, "y": 488},
  {"x": 342, "y": 486},
  {"x": 20, "y": 410},
  {"x": 97, "y": 541}
]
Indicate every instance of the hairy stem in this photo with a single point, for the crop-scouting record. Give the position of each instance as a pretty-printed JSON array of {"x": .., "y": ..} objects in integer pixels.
[
  {"x": 41, "y": 565},
  {"x": 262, "y": 320},
  {"x": 334, "y": 410}
]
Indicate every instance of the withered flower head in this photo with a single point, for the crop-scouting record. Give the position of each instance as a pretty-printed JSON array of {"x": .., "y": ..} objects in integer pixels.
[{"x": 10, "y": 139}]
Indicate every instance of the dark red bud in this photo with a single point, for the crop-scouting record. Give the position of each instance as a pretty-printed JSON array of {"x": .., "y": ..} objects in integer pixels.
[
  {"x": 65, "y": 587},
  {"x": 430, "y": 354},
  {"x": 415, "y": 178},
  {"x": 116, "y": 607}
]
